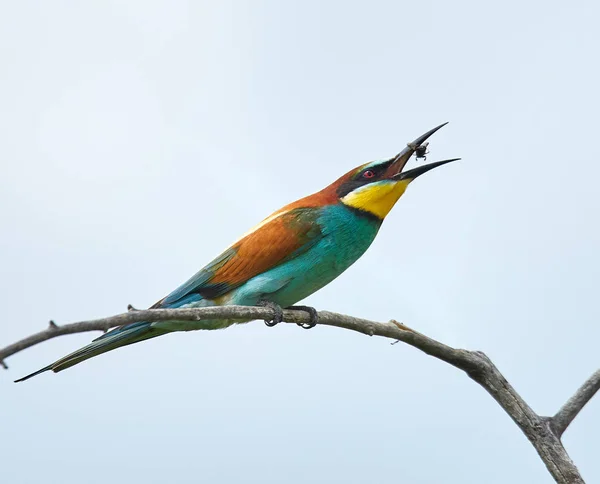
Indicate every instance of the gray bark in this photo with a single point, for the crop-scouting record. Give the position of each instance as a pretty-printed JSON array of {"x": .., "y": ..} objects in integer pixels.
[{"x": 544, "y": 433}]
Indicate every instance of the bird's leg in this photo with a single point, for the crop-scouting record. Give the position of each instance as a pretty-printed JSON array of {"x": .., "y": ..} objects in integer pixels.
[
  {"x": 314, "y": 316},
  {"x": 278, "y": 316}
]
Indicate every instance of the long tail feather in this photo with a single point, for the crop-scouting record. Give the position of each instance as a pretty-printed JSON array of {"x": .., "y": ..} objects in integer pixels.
[{"x": 123, "y": 336}]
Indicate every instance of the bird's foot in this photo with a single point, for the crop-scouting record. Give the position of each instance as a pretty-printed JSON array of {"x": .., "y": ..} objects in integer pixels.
[
  {"x": 131, "y": 308},
  {"x": 314, "y": 316},
  {"x": 277, "y": 317}
]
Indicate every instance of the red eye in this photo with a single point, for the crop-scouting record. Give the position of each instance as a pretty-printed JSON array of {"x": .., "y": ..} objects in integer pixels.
[{"x": 368, "y": 174}]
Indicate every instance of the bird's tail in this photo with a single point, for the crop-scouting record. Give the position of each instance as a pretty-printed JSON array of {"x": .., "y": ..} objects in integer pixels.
[{"x": 121, "y": 336}]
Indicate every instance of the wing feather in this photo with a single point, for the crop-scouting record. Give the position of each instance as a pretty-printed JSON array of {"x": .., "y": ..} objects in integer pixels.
[{"x": 282, "y": 237}]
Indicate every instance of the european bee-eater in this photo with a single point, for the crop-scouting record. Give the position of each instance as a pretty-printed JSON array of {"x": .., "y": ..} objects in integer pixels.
[{"x": 285, "y": 258}]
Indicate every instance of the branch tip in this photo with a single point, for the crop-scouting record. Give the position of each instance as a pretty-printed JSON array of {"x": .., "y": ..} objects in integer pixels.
[
  {"x": 477, "y": 365},
  {"x": 575, "y": 404}
]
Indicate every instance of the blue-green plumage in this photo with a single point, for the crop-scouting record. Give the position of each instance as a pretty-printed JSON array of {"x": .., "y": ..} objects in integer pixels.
[
  {"x": 290, "y": 255},
  {"x": 345, "y": 234},
  {"x": 339, "y": 236}
]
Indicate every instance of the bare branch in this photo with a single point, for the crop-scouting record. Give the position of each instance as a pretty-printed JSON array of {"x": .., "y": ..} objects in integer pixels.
[
  {"x": 544, "y": 433},
  {"x": 242, "y": 313},
  {"x": 571, "y": 409}
]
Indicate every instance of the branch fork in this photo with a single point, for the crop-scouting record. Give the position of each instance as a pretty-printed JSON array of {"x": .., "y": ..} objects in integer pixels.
[{"x": 544, "y": 433}]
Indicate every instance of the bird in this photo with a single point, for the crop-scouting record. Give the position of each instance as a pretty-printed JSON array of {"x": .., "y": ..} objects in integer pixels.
[{"x": 288, "y": 256}]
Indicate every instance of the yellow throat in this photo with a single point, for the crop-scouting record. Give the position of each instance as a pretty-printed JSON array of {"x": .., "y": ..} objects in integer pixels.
[{"x": 377, "y": 198}]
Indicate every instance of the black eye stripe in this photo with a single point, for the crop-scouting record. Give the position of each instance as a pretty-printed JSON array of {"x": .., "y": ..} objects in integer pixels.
[{"x": 359, "y": 179}]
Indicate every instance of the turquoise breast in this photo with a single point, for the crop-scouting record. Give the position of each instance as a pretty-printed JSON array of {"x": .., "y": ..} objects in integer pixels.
[{"x": 347, "y": 234}]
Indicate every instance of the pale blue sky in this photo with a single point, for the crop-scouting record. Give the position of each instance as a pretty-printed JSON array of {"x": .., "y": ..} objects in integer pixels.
[{"x": 138, "y": 139}]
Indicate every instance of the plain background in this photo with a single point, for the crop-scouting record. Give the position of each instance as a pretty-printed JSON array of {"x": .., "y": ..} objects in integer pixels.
[{"x": 139, "y": 139}]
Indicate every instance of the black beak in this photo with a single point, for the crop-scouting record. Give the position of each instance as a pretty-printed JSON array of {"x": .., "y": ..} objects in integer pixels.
[
  {"x": 401, "y": 158},
  {"x": 416, "y": 172}
]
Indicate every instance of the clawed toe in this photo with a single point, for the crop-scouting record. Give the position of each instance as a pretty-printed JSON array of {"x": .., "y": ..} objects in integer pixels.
[
  {"x": 278, "y": 314},
  {"x": 277, "y": 317},
  {"x": 314, "y": 316}
]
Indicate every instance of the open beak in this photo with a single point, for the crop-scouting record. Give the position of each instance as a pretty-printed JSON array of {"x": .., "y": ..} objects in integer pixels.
[
  {"x": 400, "y": 160},
  {"x": 416, "y": 172}
]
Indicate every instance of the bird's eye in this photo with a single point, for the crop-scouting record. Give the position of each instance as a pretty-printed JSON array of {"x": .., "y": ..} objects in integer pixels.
[{"x": 368, "y": 174}]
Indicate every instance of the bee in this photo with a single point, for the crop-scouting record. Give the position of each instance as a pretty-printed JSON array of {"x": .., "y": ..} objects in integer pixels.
[{"x": 421, "y": 151}]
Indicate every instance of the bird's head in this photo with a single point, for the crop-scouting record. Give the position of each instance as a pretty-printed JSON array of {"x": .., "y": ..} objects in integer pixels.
[{"x": 374, "y": 188}]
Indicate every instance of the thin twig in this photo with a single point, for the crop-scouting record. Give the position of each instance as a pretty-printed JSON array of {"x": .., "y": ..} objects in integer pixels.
[
  {"x": 571, "y": 409},
  {"x": 544, "y": 433},
  {"x": 247, "y": 313}
]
